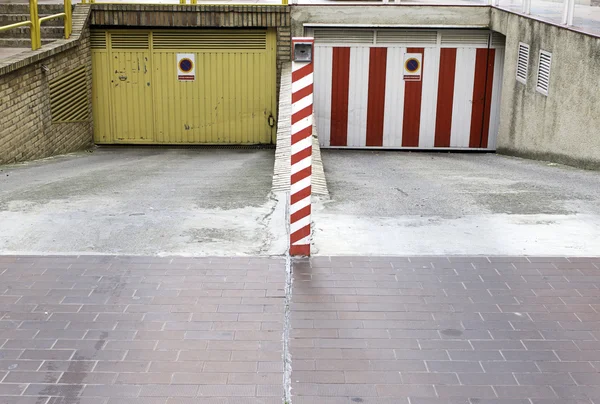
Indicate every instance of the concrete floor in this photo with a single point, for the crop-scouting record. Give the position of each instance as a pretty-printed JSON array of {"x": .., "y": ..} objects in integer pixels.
[
  {"x": 390, "y": 203},
  {"x": 143, "y": 201}
]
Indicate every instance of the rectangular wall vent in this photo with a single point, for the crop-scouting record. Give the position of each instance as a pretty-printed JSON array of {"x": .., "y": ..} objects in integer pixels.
[
  {"x": 69, "y": 97},
  {"x": 404, "y": 37},
  {"x": 522, "y": 63},
  {"x": 210, "y": 39},
  {"x": 454, "y": 39},
  {"x": 344, "y": 36},
  {"x": 543, "y": 78},
  {"x": 98, "y": 39},
  {"x": 129, "y": 40},
  {"x": 498, "y": 40}
]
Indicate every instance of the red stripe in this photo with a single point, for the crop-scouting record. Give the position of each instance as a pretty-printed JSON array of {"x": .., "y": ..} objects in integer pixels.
[
  {"x": 339, "y": 96},
  {"x": 305, "y": 211},
  {"x": 302, "y": 72},
  {"x": 305, "y": 92},
  {"x": 412, "y": 106},
  {"x": 445, "y": 98},
  {"x": 303, "y": 134},
  {"x": 478, "y": 108},
  {"x": 302, "y": 249},
  {"x": 488, "y": 98},
  {"x": 301, "y": 155},
  {"x": 376, "y": 98},
  {"x": 303, "y": 113},
  {"x": 302, "y": 174},
  {"x": 298, "y": 196},
  {"x": 300, "y": 234}
]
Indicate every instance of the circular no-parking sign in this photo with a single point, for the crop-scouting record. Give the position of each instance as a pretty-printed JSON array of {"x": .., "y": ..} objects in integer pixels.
[
  {"x": 412, "y": 65},
  {"x": 186, "y": 65}
]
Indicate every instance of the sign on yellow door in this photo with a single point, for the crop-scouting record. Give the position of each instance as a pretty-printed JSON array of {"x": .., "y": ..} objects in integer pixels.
[
  {"x": 186, "y": 67},
  {"x": 205, "y": 86}
]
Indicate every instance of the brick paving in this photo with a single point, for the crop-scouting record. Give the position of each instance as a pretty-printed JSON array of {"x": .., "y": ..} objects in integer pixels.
[
  {"x": 458, "y": 330},
  {"x": 133, "y": 330}
]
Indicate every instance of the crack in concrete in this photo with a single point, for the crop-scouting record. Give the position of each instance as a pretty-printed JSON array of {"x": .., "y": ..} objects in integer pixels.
[
  {"x": 287, "y": 357},
  {"x": 264, "y": 222}
]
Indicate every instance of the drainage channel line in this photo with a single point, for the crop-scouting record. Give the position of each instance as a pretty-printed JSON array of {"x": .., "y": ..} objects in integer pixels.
[{"x": 287, "y": 358}]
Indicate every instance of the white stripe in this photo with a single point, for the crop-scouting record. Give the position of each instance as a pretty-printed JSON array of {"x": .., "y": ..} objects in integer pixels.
[
  {"x": 358, "y": 94},
  {"x": 294, "y": 227},
  {"x": 462, "y": 103},
  {"x": 301, "y": 145},
  {"x": 303, "y": 82},
  {"x": 301, "y": 165},
  {"x": 303, "y": 103},
  {"x": 304, "y": 241},
  {"x": 496, "y": 93},
  {"x": 300, "y": 185},
  {"x": 301, "y": 204},
  {"x": 323, "y": 81},
  {"x": 394, "y": 98},
  {"x": 299, "y": 65},
  {"x": 302, "y": 124},
  {"x": 431, "y": 74}
]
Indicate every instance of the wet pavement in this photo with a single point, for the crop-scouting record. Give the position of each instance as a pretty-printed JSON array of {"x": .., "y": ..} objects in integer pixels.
[
  {"x": 421, "y": 330},
  {"x": 439, "y": 330},
  {"x": 102, "y": 329},
  {"x": 143, "y": 201},
  {"x": 391, "y": 203}
]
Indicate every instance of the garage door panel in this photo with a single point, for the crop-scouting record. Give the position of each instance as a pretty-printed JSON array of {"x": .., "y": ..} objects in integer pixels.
[
  {"x": 463, "y": 97},
  {"x": 228, "y": 102},
  {"x": 394, "y": 98},
  {"x": 358, "y": 96},
  {"x": 322, "y": 91},
  {"x": 368, "y": 102},
  {"x": 131, "y": 96}
]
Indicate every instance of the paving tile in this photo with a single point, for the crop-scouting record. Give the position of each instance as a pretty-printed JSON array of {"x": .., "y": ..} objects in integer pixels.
[
  {"x": 99, "y": 330},
  {"x": 499, "y": 330}
]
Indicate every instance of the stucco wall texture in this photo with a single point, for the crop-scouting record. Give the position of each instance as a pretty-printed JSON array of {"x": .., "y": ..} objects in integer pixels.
[{"x": 565, "y": 125}]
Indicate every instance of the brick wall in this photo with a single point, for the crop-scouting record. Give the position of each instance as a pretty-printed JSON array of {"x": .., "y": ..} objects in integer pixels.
[
  {"x": 26, "y": 128},
  {"x": 200, "y": 16}
]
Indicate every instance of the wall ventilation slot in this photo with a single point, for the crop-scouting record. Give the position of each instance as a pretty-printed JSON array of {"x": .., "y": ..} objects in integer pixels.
[
  {"x": 403, "y": 37},
  {"x": 69, "y": 97},
  {"x": 455, "y": 39},
  {"x": 498, "y": 40},
  {"x": 210, "y": 39},
  {"x": 543, "y": 78},
  {"x": 129, "y": 40},
  {"x": 344, "y": 36},
  {"x": 98, "y": 39},
  {"x": 522, "y": 63}
]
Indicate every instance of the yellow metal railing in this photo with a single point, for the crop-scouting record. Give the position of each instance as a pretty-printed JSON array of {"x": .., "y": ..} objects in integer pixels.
[{"x": 34, "y": 23}]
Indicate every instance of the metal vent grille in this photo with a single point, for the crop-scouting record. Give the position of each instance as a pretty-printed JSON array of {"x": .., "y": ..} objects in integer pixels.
[
  {"x": 130, "y": 40},
  {"x": 498, "y": 40},
  {"x": 210, "y": 39},
  {"x": 390, "y": 36},
  {"x": 69, "y": 97},
  {"x": 344, "y": 36},
  {"x": 465, "y": 38},
  {"x": 522, "y": 63},
  {"x": 98, "y": 39},
  {"x": 543, "y": 78}
]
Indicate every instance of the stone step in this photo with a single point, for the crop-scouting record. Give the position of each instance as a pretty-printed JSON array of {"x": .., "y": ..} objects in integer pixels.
[
  {"x": 47, "y": 33},
  {"x": 43, "y": 9},
  {"x": 20, "y": 42},
  {"x": 7, "y": 19}
]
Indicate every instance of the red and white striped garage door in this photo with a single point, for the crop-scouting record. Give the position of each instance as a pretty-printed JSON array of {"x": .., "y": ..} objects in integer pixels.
[{"x": 362, "y": 99}]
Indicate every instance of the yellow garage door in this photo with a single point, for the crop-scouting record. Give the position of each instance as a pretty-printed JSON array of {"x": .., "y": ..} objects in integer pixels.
[{"x": 184, "y": 86}]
